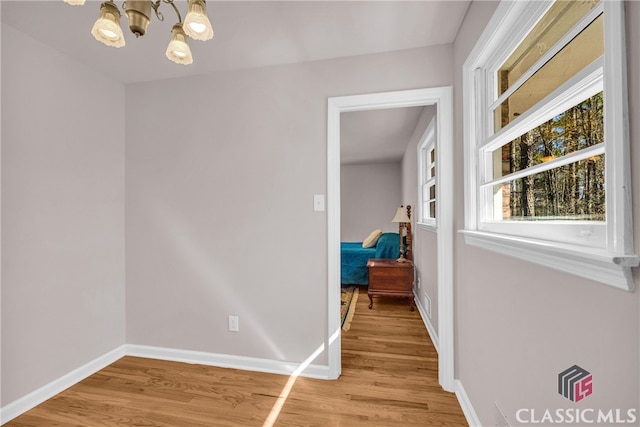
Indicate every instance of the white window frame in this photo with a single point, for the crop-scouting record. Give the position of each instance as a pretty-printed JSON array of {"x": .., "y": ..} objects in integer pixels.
[
  {"x": 426, "y": 144},
  {"x": 603, "y": 252}
]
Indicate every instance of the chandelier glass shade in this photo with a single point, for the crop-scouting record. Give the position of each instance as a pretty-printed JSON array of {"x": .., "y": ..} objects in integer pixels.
[
  {"x": 178, "y": 50},
  {"x": 107, "y": 28},
  {"x": 196, "y": 25}
]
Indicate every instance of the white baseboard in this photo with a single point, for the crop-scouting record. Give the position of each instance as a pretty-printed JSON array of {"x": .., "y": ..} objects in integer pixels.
[
  {"x": 228, "y": 361},
  {"x": 461, "y": 394},
  {"x": 33, "y": 399},
  {"x": 467, "y": 407},
  {"x": 36, "y": 397},
  {"x": 427, "y": 322}
]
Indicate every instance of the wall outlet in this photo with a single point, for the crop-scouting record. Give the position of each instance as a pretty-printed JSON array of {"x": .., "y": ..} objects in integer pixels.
[
  {"x": 418, "y": 282},
  {"x": 234, "y": 324}
]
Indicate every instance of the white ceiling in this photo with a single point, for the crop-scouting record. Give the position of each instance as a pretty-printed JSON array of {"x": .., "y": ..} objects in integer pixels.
[
  {"x": 247, "y": 33},
  {"x": 377, "y": 135},
  {"x": 252, "y": 34}
]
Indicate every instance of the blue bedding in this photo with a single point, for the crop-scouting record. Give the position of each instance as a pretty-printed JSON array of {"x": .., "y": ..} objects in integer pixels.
[{"x": 353, "y": 263}]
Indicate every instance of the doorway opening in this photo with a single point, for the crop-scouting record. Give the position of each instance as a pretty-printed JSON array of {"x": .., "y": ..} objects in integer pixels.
[{"x": 441, "y": 98}]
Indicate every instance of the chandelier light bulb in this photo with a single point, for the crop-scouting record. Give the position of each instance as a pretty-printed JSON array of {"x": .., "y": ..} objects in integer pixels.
[
  {"x": 107, "y": 28},
  {"x": 178, "y": 50},
  {"x": 74, "y": 2},
  {"x": 196, "y": 23}
]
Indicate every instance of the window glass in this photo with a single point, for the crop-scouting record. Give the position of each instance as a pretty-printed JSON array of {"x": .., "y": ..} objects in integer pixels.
[
  {"x": 580, "y": 127},
  {"x": 560, "y": 18},
  {"x": 575, "y": 56},
  {"x": 574, "y": 192},
  {"x": 427, "y": 168}
]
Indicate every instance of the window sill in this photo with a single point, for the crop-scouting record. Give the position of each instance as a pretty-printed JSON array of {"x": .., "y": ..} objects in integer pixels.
[
  {"x": 427, "y": 227},
  {"x": 597, "y": 265}
]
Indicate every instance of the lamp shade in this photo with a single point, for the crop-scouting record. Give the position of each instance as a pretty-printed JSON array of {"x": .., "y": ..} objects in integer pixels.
[
  {"x": 401, "y": 215},
  {"x": 178, "y": 50},
  {"x": 196, "y": 23},
  {"x": 107, "y": 27}
]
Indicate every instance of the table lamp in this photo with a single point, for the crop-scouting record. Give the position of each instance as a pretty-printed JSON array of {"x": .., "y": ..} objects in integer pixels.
[{"x": 401, "y": 218}]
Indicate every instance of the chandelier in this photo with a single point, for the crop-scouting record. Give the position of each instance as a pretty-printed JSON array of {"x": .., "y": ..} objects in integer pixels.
[{"x": 196, "y": 24}]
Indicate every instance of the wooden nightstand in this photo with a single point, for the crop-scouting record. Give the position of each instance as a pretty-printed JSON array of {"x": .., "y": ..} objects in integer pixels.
[{"x": 390, "y": 278}]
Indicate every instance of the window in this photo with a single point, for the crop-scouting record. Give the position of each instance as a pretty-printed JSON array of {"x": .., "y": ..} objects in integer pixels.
[
  {"x": 546, "y": 137},
  {"x": 427, "y": 173}
]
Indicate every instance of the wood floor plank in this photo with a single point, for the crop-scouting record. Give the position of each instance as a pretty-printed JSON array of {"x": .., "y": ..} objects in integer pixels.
[{"x": 389, "y": 378}]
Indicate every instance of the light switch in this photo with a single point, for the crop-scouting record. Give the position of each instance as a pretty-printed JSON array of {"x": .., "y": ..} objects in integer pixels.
[
  {"x": 234, "y": 324},
  {"x": 318, "y": 202}
]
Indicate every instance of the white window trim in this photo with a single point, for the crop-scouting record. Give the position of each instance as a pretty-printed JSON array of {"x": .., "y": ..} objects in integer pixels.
[
  {"x": 427, "y": 141},
  {"x": 612, "y": 264}
]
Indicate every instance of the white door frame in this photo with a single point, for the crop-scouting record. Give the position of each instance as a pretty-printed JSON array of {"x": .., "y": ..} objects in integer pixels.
[{"x": 442, "y": 98}]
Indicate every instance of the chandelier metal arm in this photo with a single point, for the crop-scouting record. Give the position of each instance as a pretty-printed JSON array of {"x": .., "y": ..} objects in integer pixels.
[
  {"x": 175, "y": 8},
  {"x": 159, "y": 14}
]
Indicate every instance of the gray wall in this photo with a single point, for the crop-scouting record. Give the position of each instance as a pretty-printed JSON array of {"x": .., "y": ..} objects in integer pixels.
[
  {"x": 370, "y": 194},
  {"x": 424, "y": 241},
  {"x": 519, "y": 324},
  {"x": 62, "y": 215},
  {"x": 220, "y": 213}
]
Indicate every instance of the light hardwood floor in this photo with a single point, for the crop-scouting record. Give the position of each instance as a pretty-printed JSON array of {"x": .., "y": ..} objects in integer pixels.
[{"x": 389, "y": 378}]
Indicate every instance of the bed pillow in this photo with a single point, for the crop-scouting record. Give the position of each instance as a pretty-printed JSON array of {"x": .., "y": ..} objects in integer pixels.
[{"x": 372, "y": 239}]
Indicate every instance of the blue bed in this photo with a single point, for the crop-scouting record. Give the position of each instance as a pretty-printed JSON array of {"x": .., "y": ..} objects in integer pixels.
[{"x": 353, "y": 263}]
